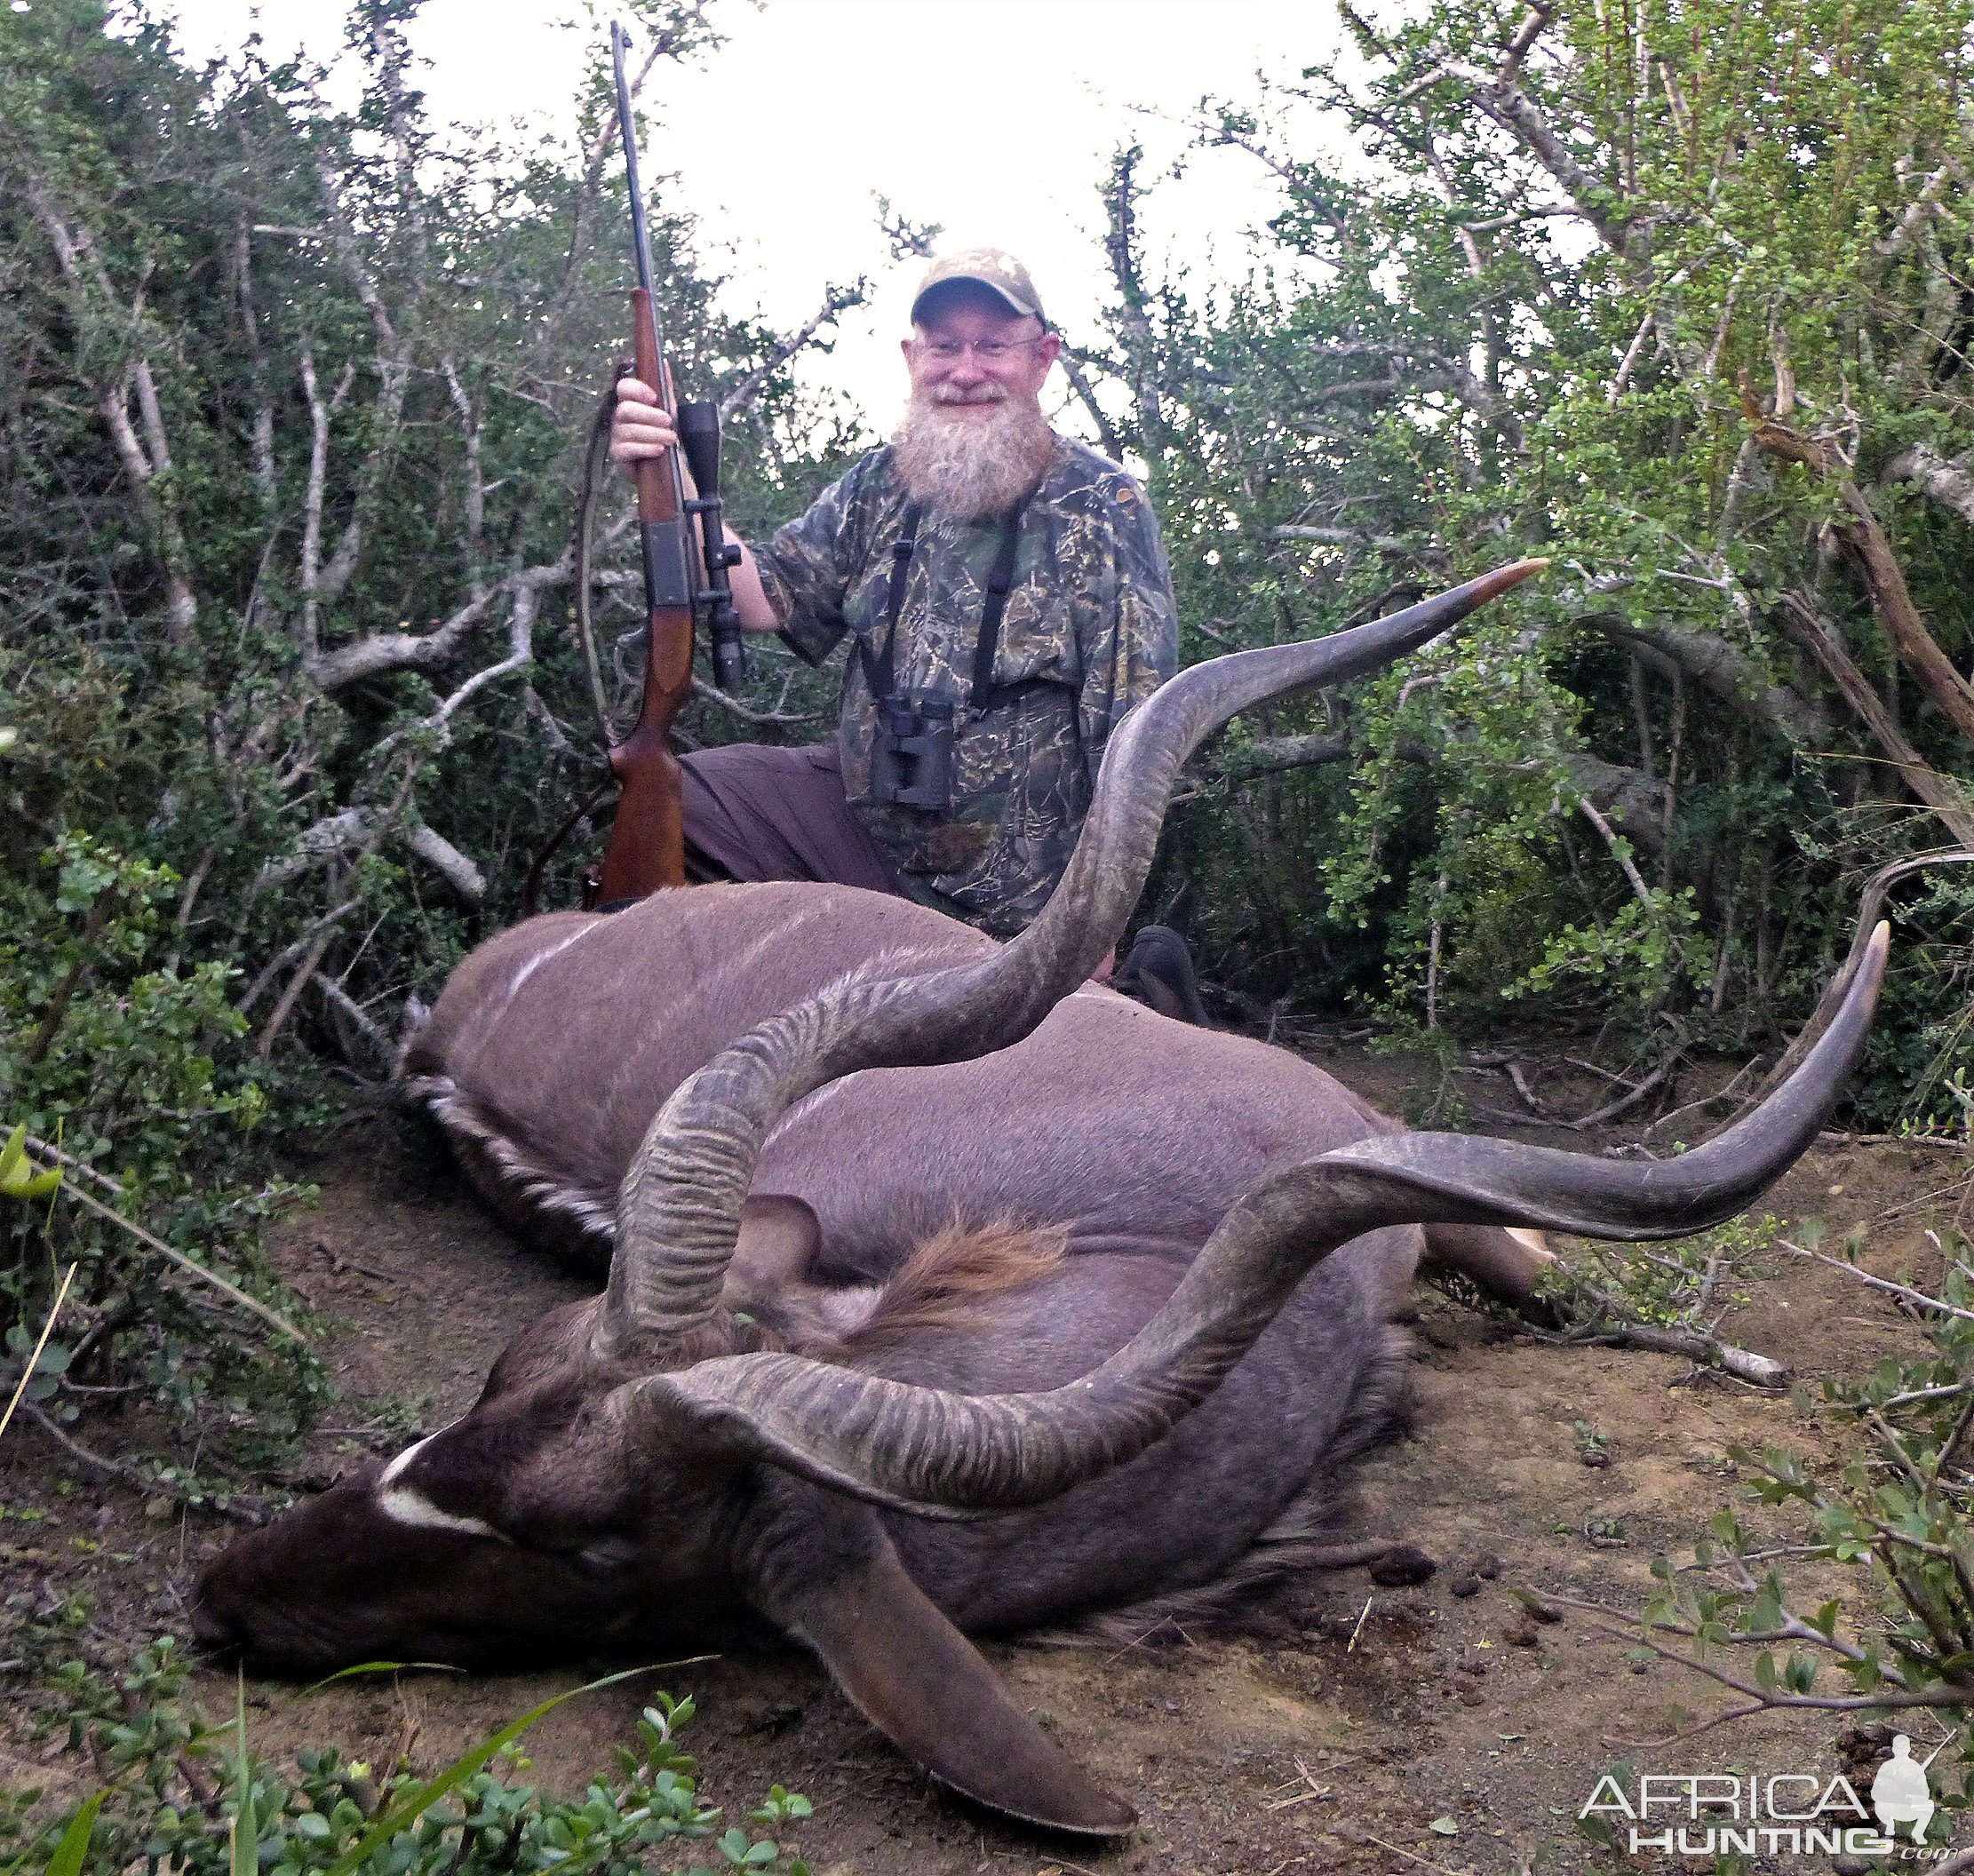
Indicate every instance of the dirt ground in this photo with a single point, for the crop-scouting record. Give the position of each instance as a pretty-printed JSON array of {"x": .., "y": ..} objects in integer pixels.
[{"x": 1346, "y": 1728}]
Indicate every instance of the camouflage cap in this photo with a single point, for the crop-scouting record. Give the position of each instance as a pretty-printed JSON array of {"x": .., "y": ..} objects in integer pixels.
[{"x": 990, "y": 267}]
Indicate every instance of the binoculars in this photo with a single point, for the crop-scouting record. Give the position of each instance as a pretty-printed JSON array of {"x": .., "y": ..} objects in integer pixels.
[{"x": 911, "y": 757}]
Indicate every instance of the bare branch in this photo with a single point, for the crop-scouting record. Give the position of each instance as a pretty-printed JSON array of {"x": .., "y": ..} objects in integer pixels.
[
  {"x": 1916, "y": 649},
  {"x": 1337, "y": 537},
  {"x": 320, "y": 412},
  {"x": 1510, "y": 107},
  {"x": 1919, "y": 210},
  {"x": 449, "y": 862},
  {"x": 1619, "y": 850},
  {"x": 1949, "y": 483},
  {"x": 326, "y": 840},
  {"x": 746, "y": 712},
  {"x": 81, "y": 265},
  {"x": 1271, "y": 755},
  {"x": 836, "y": 302},
  {"x": 282, "y": 958},
  {"x": 384, "y": 651},
  {"x": 359, "y": 1019},
  {"x": 1525, "y": 35},
  {"x": 1802, "y": 621},
  {"x": 1717, "y": 666},
  {"x": 1076, "y": 371}
]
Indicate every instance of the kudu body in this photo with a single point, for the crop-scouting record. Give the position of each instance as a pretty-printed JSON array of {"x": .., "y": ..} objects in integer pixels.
[
  {"x": 556, "y": 1043},
  {"x": 794, "y": 1410}
]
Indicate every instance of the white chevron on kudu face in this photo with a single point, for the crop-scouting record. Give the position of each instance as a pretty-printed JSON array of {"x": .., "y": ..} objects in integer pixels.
[{"x": 407, "y": 1506}]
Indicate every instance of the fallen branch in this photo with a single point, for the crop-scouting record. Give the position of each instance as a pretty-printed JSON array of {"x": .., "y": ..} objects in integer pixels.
[
  {"x": 1942, "y": 1694},
  {"x": 1860, "y": 531},
  {"x": 1624, "y": 1102},
  {"x": 1724, "y": 672},
  {"x": 359, "y": 1019},
  {"x": 290, "y": 953},
  {"x": 746, "y": 712},
  {"x": 1758, "y": 1370},
  {"x": 1513, "y": 1070},
  {"x": 1904, "y": 1292},
  {"x": 136, "y": 1475},
  {"x": 316, "y": 951},
  {"x": 185, "y": 1263},
  {"x": 1706, "y": 1101},
  {"x": 1951, "y": 484},
  {"x": 449, "y": 862}
]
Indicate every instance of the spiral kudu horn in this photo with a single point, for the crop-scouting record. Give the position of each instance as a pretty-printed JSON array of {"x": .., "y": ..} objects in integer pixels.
[
  {"x": 679, "y": 1208},
  {"x": 921, "y": 1449}
]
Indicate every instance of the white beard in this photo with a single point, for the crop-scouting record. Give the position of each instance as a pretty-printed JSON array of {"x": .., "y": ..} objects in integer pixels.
[{"x": 969, "y": 467}]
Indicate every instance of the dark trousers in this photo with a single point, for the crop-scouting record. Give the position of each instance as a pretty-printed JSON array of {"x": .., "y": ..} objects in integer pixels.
[{"x": 753, "y": 813}]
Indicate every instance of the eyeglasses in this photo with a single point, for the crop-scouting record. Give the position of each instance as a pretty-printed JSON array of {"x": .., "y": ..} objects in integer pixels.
[{"x": 985, "y": 351}]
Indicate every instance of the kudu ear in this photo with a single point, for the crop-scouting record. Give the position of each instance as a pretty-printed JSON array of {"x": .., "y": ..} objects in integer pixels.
[
  {"x": 779, "y": 1241},
  {"x": 923, "y": 1685}
]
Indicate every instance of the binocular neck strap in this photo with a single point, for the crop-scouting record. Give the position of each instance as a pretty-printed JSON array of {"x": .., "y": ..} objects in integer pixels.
[
  {"x": 880, "y": 668},
  {"x": 999, "y": 582}
]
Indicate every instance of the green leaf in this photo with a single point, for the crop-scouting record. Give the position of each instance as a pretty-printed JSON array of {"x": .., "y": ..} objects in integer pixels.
[
  {"x": 20, "y": 1180},
  {"x": 1445, "y": 1826},
  {"x": 70, "y": 1853},
  {"x": 416, "y": 1803},
  {"x": 381, "y": 1667},
  {"x": 243, "y": 1844}
]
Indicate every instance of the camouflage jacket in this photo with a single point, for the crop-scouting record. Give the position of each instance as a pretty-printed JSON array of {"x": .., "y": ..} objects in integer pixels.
[{"x": 1088, "y": 632}]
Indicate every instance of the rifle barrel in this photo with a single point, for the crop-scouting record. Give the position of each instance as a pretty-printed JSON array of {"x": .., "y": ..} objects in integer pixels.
[{"x": 646, "y": 849}]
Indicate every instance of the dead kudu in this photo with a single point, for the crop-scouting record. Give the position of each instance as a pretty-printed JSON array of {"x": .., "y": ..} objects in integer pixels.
[{"x": 1012, "y": 1332}]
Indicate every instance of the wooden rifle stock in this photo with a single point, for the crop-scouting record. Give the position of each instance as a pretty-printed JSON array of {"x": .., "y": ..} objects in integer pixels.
[{"x": 646, "y": 844}]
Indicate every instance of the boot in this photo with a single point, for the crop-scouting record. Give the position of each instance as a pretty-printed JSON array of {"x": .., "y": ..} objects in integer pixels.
[{"x": 1157, "y": 971}]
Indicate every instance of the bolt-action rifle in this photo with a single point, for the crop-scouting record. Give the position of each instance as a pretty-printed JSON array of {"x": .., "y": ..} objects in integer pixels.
[{"x": 647, "y": 845}]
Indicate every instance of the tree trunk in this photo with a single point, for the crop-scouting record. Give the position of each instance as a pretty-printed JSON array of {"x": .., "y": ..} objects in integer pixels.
[
  {"x": 1912, "y": 644},
  {"x": 1803, "y": 623}
]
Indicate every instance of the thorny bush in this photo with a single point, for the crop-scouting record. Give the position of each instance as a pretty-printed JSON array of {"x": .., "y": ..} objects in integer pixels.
[{"x": 295, "y": 407}]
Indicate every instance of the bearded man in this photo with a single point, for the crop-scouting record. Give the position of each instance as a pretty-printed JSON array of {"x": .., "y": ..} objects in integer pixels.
[{"x": 1008, "y": 600}]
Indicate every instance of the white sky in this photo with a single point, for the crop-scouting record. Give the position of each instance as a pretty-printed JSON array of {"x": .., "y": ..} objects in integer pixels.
[{"x": 994, "y": 117}]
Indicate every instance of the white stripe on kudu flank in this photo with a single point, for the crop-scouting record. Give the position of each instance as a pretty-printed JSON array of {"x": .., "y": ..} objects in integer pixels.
[{"x": 541, "y": 957}]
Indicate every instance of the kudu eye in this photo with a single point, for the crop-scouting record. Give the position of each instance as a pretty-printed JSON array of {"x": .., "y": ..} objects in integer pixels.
[{"x": 607, "y": 1556}]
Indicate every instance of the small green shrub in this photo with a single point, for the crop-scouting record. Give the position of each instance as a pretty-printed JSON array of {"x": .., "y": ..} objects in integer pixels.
[
  {"x": 182, "y": 1789},
  {"x": 131, "y": 1065},
  {"x": 1894, "y": 1514}
]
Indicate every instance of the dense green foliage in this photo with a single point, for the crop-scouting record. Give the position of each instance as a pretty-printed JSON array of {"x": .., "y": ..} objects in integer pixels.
[
  {"x": 1674, "y": 293},
  {"x": 187, "y": 1794},
  {"x": 293, "y": 408}
]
